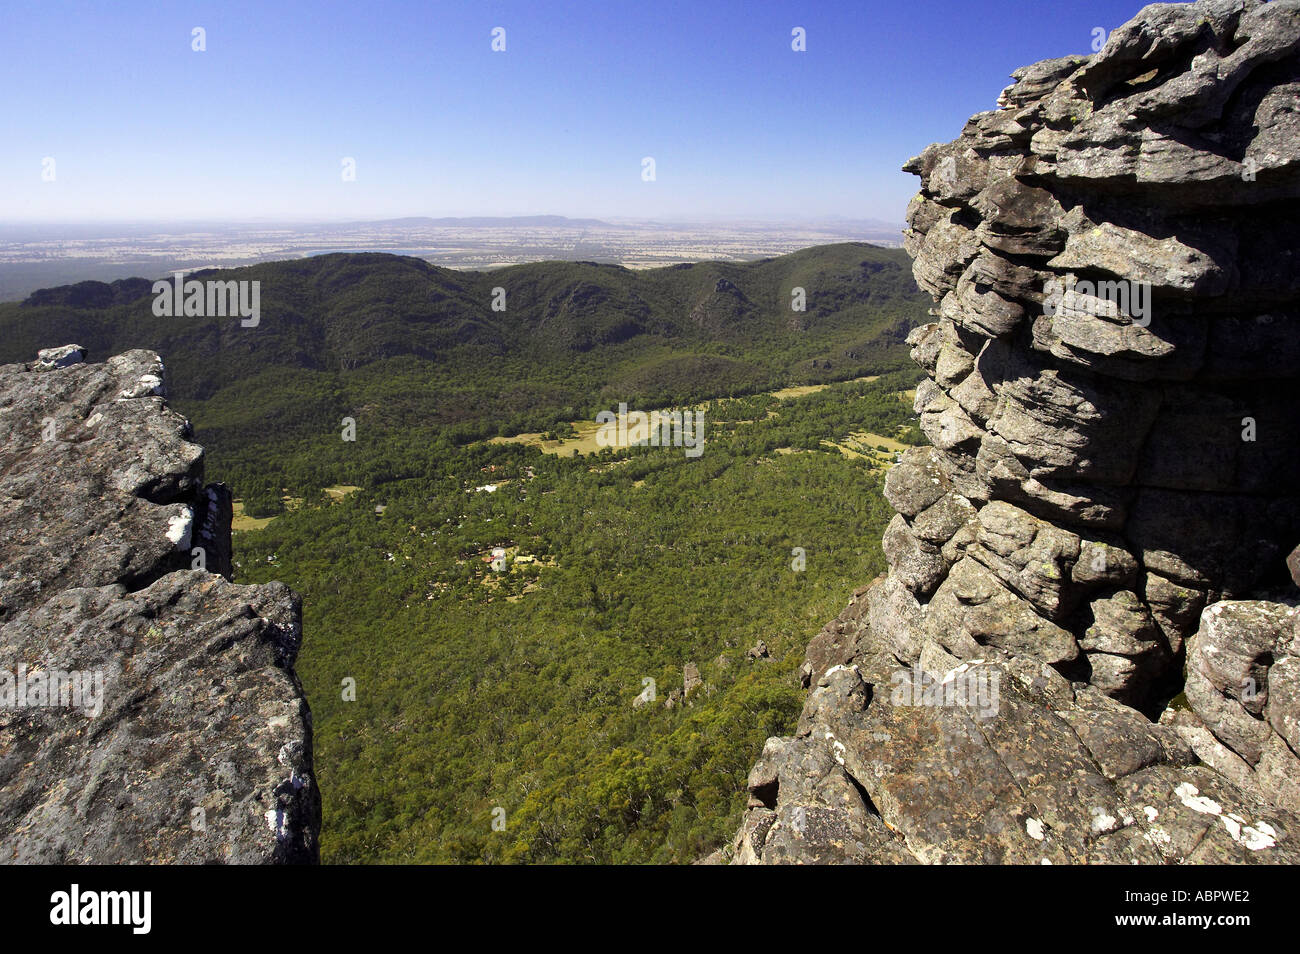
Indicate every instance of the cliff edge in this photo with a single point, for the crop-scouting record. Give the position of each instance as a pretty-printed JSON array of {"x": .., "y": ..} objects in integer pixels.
[{"x": 149, "y": 709}]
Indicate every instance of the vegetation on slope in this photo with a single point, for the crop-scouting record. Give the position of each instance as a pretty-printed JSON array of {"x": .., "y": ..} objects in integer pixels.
[
  {"x": 492, "y": 714},
  {"x": 477, "y": 690}
]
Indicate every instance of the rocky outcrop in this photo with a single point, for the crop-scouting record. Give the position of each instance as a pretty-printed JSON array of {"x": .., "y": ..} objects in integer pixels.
[
  {"x": 1243, "y": 697},
  {"x": 1109, "y": 499},
  {"x": 149, "y": 709}
]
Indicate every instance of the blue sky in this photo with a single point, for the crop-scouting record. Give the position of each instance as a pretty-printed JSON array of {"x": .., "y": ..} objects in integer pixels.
[{"x": 142, "y": 127}]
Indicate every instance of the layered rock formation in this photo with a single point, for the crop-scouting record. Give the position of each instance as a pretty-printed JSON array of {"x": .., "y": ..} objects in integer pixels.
[
  {"x": 1111, "y": 489},
  {"x": 149, "y": 710}
]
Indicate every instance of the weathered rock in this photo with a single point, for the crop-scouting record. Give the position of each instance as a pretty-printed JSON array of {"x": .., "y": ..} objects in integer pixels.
[
  {"x": 916, "y": 482},
  {"x": 1243, "y": 686},
  {"x": 1175, "y": 608},
  {"x": 939, "y": 522},
  {"x": 1079, "y": 779},
  {"x": 1109, "y": 393},
  {"x": 191, "y": 739},
  {"x": 690, "y": 679},
  {"x": 919, "y": 565},
  {"x": 1126, "y": 650},
  {"x": 51, "y": 359},
  {"x": 1031, "y": 556}
]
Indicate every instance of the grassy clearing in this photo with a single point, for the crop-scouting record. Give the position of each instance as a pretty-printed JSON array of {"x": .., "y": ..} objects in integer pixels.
[
  {"x": 241, "y": 521},
  {"x": 864, "y": 445},
  {"x": 584, "y": 442},
  {"x": 800, "y": 390}
]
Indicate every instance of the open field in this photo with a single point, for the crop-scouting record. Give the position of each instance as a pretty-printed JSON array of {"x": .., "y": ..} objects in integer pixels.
[
  {"x": 585, "y": 440},
  {"x": 799, "y": 390},
  {"x": 864, "y": 445},
  {"x": 241, "y": 521}
]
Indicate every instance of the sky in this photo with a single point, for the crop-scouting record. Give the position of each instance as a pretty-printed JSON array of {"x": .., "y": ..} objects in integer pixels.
[{"x": 140, "y": 126}]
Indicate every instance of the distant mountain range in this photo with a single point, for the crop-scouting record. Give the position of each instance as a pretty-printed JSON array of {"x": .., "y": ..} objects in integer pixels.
[
  {"x": 403, "y": 340},
  {"x": 46, "y": 256}
]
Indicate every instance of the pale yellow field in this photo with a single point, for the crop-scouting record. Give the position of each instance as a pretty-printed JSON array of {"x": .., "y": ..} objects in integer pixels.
[
  {"x": 585, "y": 443},
  {"x": 800, "y": 390},
  {"x": 242, "y": 522},
  {"x": 869, "y": 439},
  {"x": 862, "y": 445}
]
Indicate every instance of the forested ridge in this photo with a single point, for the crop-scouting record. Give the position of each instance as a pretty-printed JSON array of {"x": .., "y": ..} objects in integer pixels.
[{"x": 471, "y": 713}]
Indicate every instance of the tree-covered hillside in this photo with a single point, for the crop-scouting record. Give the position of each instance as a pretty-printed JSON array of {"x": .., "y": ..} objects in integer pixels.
[
  {"x": 387, "y": 338},
  {"x": 481, "y": 615}
]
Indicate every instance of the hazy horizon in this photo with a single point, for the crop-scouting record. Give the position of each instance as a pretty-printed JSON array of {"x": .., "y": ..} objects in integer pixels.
[
  {"x": 217, "y": 221},
  {"x": 46, "y": 254}
]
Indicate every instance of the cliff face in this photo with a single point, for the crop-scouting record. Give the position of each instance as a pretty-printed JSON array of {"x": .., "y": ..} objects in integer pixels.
[
  {"x": 149, "y": 710},
  {"x": 1085, "y": 648}
]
